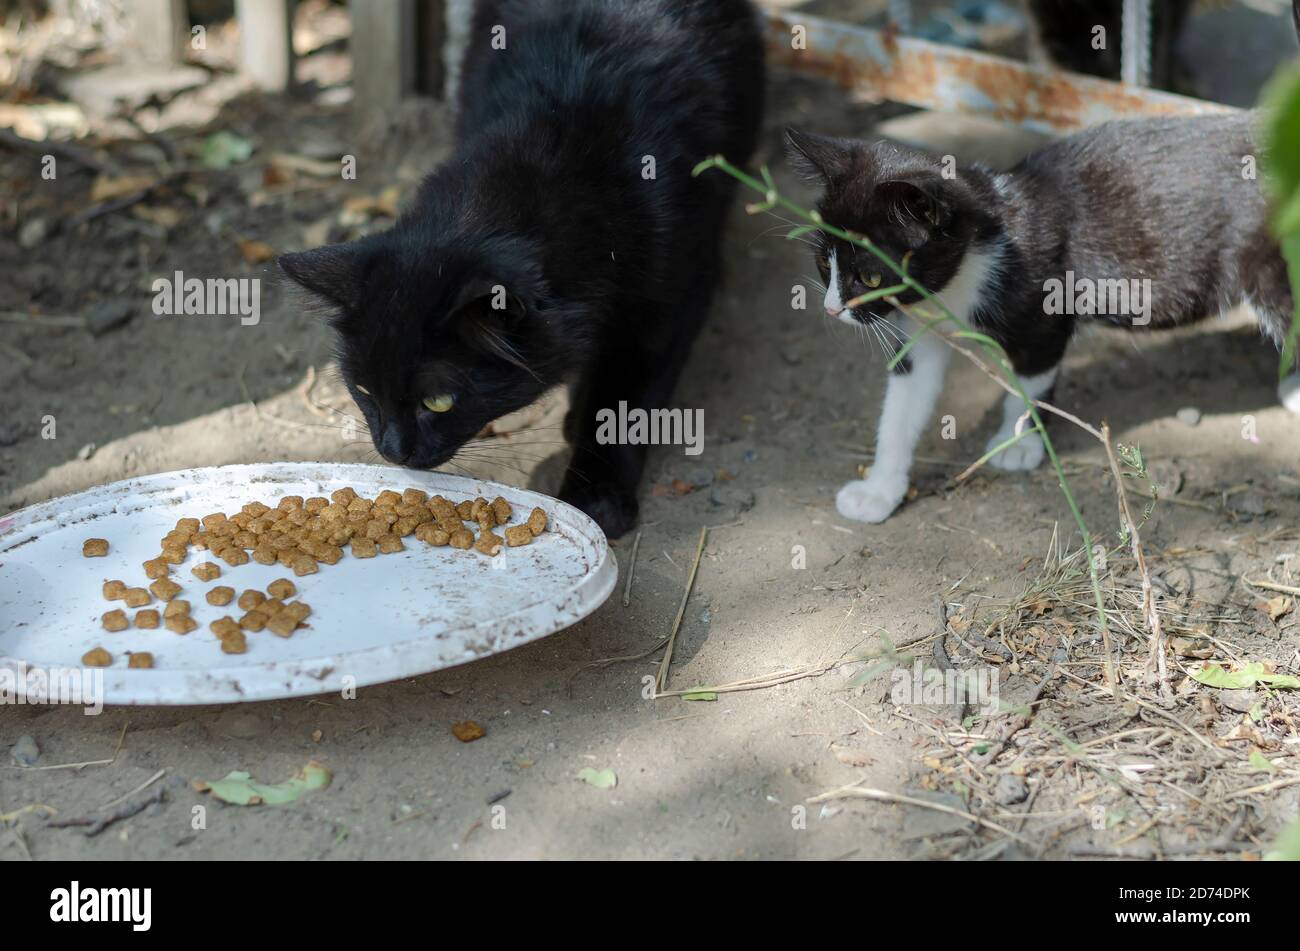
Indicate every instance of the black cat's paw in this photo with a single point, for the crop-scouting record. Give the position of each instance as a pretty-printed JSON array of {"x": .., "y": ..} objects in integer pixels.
[{"x": 612, "y": 507}]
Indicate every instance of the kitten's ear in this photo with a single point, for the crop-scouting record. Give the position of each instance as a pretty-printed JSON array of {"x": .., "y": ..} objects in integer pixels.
[
  {"x": 817, "y": 159},
  {"x": 333, "y": 272},
  {"x": 917, "y": 205},
  {"x": 483, "y": 297}
]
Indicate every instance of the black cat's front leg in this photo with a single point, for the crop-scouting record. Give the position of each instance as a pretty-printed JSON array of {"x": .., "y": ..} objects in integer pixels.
[
  {"x": 636, "y": 375},
  {"x": 603, "y": 474}
]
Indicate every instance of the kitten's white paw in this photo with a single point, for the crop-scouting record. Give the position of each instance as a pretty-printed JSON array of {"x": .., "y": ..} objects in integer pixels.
[
  {"x": 1018, "y": 457},
  {"x": 1288, "y": 391},
  {"x": 864, "y": 501}
]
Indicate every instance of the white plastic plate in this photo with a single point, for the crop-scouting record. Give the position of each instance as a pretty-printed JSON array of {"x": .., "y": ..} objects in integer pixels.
[{"x": 372, "y": 621}]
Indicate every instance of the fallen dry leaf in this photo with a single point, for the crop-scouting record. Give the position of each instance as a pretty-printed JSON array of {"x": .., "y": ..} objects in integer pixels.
[
  {"x": 255, "y": 252},
  {"x": 106, "y": 187},
  {"x": 1279, "y": 606}
]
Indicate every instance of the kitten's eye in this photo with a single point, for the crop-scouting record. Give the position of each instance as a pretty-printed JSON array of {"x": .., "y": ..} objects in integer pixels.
[
  {"x": 439, "y": 404},
  {"x": 875, "y": 280},
  {"x": 363, "y": 391}
]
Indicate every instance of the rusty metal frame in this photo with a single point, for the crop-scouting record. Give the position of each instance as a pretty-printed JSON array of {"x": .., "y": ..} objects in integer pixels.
[{"x": 880, "y": 64}]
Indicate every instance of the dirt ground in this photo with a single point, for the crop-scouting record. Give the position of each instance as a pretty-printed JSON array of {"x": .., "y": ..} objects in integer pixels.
[{"x": 789, "y": 404}]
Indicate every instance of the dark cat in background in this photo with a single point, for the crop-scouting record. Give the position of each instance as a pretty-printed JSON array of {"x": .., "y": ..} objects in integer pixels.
[
  {"x": 1155, "y": 215},
  {"x": 1064, "y": 33},
  {"x": 564, "y": 241}
]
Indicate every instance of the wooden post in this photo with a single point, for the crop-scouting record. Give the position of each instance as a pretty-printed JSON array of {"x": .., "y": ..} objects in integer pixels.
[
  {"x": 384, "y": 35},
  {"x": 159, "y": 30},
  {"x": 266, "y": 42}
]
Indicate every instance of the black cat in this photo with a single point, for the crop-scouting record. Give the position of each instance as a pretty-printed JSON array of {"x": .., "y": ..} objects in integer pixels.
[
  {"x": 564, "y": 241},
  {"x": 1145, "y": 224},
  {"x": 1065, "y": 33}
]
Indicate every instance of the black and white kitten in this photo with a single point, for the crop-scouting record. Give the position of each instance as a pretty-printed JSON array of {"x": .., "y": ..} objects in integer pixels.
[
  {"x": 565, "y": 240},
  {"x": 1153, "y": 215}
]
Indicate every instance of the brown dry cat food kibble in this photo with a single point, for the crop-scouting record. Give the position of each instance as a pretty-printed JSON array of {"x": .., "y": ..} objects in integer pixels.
[
  {"x": 115, "y": 620},
  {"x": 414, "y": 496},
  {"x": 389, "y": 545},
  {"x": 517, "y": 535},
  {"x": 271, "y": 607},
  {"x": 465, "y": 510},
  {"x": 363, "y": 547},
  {"x": 289, "y": 503},
  {"x": 177, "y": 607},
  {"x": 140, "y": 660},
  {"x": 304, "y": 565},
  {"x": 94, "y": 547},
  {"x": 97, "y": 657},
  {"x": 221, "y": 595},
  {"x": 180, "y": 623},
  {"x": 172, "y": 556},
  {"x": 212, "y": 521},
  {"x": 156, "y": 568},
  {"x": 264, "y": 556},
  {"x": 114, "y": 590},
  {"x": 136, "y": 597},
  {"x": 462, "y": 538},
  {"x": 432, "y": 534},
  {"x": 502, "y": 509},
  {"x": 234, "y": 643},
  {"x": 206, "y": 571},
  {"x": 223, "y": 626},
  {"x": 253, "y": 621},
  {"x": 282, "y": 625},
  {"x": 164, "y": 589},
  {"x": 234, "y": 557},
  {"x": 298, "y": 610},
  {"x": 282, "y": 588},
  {"x": 147, "y": 619},
  {"x": 537, "y": 521},
  {"x": 188, "y": 525},
  {"x": 488, "y": 543},
  {"x": 251, "y": 598}
]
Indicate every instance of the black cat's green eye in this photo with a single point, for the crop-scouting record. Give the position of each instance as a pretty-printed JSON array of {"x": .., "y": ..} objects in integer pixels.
[
  {"x": 875, "y": 280},
  {"x": 441, "y": 403}
]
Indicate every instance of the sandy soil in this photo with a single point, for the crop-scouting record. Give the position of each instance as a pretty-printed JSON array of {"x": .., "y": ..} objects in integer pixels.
[{"x": 789, "y": 403}]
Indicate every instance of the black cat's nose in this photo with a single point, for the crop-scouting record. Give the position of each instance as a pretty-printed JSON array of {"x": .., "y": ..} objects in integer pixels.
[{"x": 394, "y": 446}]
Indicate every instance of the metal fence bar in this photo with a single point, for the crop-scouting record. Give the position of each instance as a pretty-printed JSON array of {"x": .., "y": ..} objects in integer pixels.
[{"x": 945, "y": 78}]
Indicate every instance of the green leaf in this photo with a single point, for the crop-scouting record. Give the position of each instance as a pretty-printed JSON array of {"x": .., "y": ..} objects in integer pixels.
[
  {"x": 239, "y": 789},
  {"x": 1212, "y": 675},
  {"x": 1260, "y": 764},
  {"x": 601, "y": 779},
  {"x": 224, "y": 149},
  {"x": 1281, "y": 111},
  {"x": 1287, "y": 847}
]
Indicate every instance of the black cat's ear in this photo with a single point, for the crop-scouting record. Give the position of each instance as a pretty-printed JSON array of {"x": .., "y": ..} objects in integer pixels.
[
  {"x": 482, "y": 297},
  {"x": 917, "y": 205},
  {"x": 333, "y": 272},
  {"x": 817, "y": 159}
]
